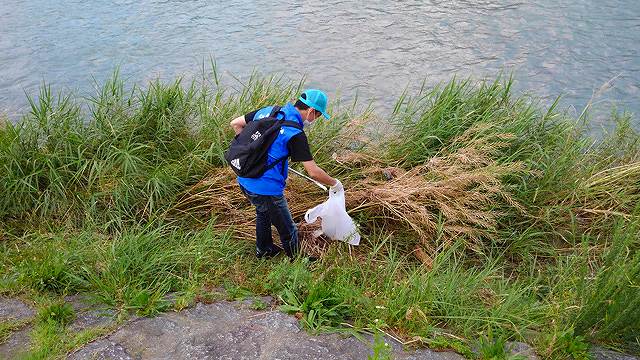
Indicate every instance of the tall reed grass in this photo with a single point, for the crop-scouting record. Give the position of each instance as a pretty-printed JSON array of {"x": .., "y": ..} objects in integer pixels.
[{"x": 130, "y": 159}]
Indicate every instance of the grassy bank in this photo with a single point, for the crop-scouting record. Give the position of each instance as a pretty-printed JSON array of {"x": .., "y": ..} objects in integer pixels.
[{"x": 486, "y": 217}]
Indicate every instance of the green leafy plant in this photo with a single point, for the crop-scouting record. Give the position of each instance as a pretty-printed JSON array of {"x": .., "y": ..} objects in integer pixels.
[
  {"x": 574, "y": 346},
  {"x": 235, "y": 292},
  {"x": 60, "y": 313},
  {"x": 146, "y": 303},
  {"x": 381, "y": 349},
  {"x": 46, "y": 273},
  {"x": 445, "y": 343},
  {"x": 319, "y": 308},
  {"x": 258, "y": 304},
  {"x": 294, "y": 277},
  {"x": 491, "y": 347},
  {"x": 185, "y": 300}
]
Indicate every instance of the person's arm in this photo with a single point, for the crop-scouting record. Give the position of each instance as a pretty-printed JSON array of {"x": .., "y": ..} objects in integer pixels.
[
  {"x": 300, "y": 152},
  {"x": 238, "y": 124},
  {"x": 241, "y": 121},
  {"x": 316, "y": 173}
]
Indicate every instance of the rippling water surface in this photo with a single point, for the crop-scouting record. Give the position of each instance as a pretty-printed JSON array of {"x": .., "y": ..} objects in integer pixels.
[{"x": 372, "y": 48}]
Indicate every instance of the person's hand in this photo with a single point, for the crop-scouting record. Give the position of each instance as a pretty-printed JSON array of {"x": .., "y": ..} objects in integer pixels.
[{"x": 337, "y": 187}]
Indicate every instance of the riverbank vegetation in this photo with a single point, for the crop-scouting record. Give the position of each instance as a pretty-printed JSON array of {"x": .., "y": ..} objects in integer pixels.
[{"x": 486, "y": 217}]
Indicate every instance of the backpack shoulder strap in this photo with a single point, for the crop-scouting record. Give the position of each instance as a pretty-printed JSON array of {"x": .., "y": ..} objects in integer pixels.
[
  {"x": 292, "y": 124},
  {"x": 275, "y": 110}
]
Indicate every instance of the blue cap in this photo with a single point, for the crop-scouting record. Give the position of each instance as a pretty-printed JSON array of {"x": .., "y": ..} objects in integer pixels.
[{"x": 315, "y": 99}]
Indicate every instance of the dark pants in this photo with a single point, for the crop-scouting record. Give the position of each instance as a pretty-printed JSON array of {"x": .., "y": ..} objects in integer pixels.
[{"x": 273, "y": 210}]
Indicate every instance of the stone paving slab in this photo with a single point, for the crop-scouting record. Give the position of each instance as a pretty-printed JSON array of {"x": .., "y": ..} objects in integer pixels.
[
  {"x": 14, "y": 309},
  {"x": 230, "y": 330},
  {"x": 19, "y": 340},
  {"x": 599, "y": 353},
  {"x": 516, "y": 348},
  {"x": 87, "y": 315},
  {"x": 18, "y": 343}
]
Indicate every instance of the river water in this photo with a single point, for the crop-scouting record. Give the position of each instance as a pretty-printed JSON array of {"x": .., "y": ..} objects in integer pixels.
[{"x": 370, "y": 48}]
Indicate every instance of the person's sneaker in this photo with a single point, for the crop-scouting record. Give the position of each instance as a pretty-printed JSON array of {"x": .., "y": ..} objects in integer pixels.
[{"x": 275, "y": 250}]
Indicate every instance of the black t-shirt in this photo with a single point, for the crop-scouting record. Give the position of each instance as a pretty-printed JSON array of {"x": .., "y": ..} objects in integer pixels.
[{"x": 298, "y": 145}]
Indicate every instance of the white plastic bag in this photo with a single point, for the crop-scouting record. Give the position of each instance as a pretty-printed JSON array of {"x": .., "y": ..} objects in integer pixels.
[{"x": 336, "y": 223}]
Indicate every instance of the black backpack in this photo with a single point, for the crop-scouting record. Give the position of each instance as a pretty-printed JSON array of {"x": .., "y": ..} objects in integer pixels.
[{"x": 248, "y": 152}]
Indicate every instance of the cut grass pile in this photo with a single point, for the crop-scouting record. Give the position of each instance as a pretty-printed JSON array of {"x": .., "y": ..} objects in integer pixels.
[{"x": 484, "y": 217}]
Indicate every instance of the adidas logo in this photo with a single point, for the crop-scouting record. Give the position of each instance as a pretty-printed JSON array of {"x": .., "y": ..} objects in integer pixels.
[
  {"x": 236, "y": 163},
  {"x": 255, "y": 135}
]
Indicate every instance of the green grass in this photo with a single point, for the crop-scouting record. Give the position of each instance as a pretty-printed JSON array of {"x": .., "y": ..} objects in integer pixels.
[
  {"x": 90, "y": 206},
  {"x": 59, "y": 314},
  {"x": 51, "y": 340}
]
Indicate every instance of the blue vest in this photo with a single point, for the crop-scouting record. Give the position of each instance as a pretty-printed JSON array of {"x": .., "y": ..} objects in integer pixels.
[{"x": 273, "y": 181}]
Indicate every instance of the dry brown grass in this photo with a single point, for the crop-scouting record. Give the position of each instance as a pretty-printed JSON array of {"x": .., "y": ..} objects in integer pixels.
[
  {"x": 312, "y": 241},
  {"x": 459, "y": 193},
  {"x": 220, "y": 197}
]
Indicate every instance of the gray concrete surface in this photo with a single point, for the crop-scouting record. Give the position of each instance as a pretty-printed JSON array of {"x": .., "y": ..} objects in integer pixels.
[
  {"x": 14, "y": 309},
  {"x": 600, "y": 353},
  {"x": 231, "y": 330},
  {"x": 19, "y": 340}
]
